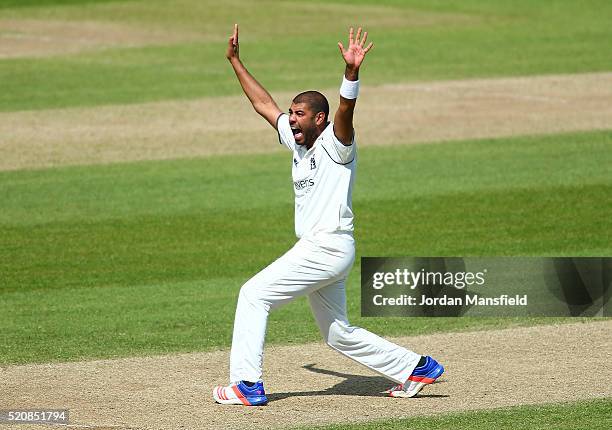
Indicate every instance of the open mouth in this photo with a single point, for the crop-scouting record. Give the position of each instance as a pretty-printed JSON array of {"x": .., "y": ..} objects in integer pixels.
[{"x": 297, "y": 133}]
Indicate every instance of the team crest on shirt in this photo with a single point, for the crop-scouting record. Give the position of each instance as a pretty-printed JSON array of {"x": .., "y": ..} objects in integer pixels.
[{"x": 313, "y": 165}]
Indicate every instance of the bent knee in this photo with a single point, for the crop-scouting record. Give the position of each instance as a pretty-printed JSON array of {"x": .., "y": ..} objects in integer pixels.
[
  {"x": 255, "y": 294},
  {"x": 250, "y": 292}
]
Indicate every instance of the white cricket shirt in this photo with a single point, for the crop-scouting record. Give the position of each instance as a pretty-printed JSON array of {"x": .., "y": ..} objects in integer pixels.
[{"x": 323, "y": 179}]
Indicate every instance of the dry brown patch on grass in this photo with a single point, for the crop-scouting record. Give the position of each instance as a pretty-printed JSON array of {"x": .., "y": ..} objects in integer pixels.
[
  {"x": 46, "y": 31},
  {"x": 44, "y": 37},
  {"x": 440, "y": 111},
  {"x": 132, "y": 132},
  {"x": 368, "y": 16},
  {"x": 313, "y": 385},
  {"x": 388, "y": 114}
]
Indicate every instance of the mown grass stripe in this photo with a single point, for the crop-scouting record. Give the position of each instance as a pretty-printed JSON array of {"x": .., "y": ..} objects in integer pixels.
[
  {"x": 99, "y": 261},
  {"x": 219, "y": 183},
  {"x": 205, "y": 245},
  {"x": 482, "y": 40},
  {"x": 588, "y": 414}
]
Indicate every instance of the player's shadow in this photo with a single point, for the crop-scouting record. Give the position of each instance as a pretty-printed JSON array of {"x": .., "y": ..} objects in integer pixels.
[{"x": 353, "y": 385}]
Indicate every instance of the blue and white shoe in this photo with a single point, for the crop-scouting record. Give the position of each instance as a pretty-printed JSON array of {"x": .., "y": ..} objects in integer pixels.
[
  {"x": 421, "y": 376},
  {"x": 241, "y": 394}
]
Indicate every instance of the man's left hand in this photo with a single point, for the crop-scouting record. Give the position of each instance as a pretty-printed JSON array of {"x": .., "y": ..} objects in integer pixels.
[{"x": 355, "y": 52}]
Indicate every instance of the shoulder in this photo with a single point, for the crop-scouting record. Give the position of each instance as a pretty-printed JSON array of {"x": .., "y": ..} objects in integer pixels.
[
  {"x": 337, "y": 151},
  {"x": 282, "y": 120},
  {"x": 285, "y": 135}
]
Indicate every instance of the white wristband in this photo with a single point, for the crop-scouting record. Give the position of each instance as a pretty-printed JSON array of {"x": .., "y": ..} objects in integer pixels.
[{"x": 349, "y": 89}]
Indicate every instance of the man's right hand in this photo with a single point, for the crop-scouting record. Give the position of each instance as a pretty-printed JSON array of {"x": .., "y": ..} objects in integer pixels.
[
  {"x": 233, "y": 47},
  {"x": 262, "y": 101}
]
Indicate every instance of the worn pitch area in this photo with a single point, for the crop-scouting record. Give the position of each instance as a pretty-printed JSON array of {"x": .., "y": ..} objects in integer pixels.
[
  {"x": 389, "y": 114},
  {"x": 311, "y": 384}
]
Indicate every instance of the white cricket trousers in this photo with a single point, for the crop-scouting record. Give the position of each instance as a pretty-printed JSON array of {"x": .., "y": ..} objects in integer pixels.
[{"x": 316, "y": 266}]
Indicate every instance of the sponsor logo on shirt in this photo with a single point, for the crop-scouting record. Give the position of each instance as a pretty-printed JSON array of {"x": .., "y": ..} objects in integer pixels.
[{"x": 304, "y": 183}]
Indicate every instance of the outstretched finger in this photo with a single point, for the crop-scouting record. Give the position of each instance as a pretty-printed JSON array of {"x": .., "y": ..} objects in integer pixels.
[
  {"x": 365, "y": 51},
  {"x": 358, "y": 35},
  {"x": 351, "y": 36},
  {"x": 363, "y": 41},
  {"x": 341, "y": 46},
  {"x": 235, "y": 34}
]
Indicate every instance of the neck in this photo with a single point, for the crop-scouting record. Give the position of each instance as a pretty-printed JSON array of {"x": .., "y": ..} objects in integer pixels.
[{"x": 314, "y": 139}]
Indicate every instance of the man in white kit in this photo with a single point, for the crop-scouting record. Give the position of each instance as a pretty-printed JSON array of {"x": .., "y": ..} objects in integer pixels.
[{"x": 324, "y": 161}]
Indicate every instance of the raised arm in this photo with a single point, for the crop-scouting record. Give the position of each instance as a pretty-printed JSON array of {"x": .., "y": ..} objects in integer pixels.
[
  {"x": 262, "y": 101},
  {"x": 353, "y": 57}
]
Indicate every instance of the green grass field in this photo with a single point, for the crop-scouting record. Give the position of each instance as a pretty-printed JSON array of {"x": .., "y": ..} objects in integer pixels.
[
  {"x": 144, "y": 257},
  {"x": 593, "y": 415},
  {"x": 141, "y": 258},
  {"x": 415, "y": 40}
]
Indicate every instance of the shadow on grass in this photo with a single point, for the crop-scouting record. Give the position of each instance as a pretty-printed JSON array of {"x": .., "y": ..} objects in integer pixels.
[{"x": 353, "y": 385}]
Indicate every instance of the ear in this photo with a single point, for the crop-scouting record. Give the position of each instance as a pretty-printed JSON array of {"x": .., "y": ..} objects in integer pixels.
[{"x": 320, "y": 118}]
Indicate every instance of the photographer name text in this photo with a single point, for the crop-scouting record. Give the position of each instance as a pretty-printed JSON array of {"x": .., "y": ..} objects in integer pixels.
[{"x": 468, "y": 300}]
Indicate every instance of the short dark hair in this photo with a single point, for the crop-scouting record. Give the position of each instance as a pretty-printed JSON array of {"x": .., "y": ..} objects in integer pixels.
[{"x": 315, "y": 101}]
